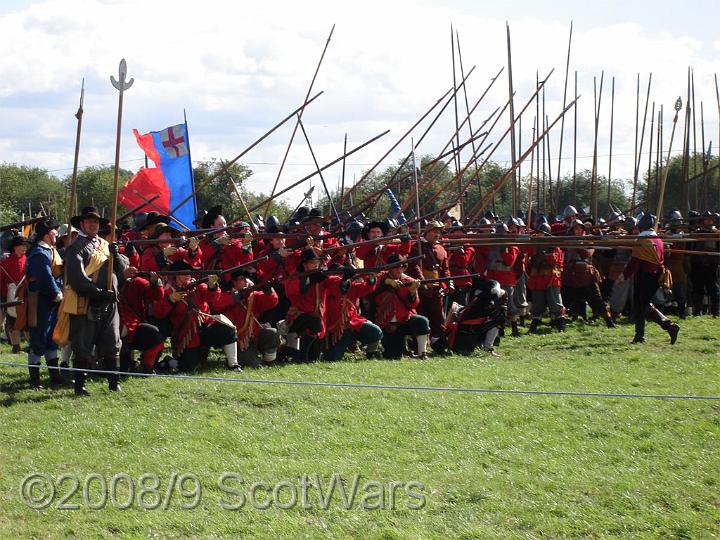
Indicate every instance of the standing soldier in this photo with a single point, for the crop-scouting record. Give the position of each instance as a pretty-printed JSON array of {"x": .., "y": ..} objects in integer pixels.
[
  {"x": 42, "y": 272},
  {"x": 12, "y": 272},
  {"x": 704, "y": 269},
  {"x": 646, "y": 265},
  {"x": 677, "y": 263},
  {"x": 544, "y": 282},
  {"x": 95, "y": 327},
  {"x": 434, "y": 264}
]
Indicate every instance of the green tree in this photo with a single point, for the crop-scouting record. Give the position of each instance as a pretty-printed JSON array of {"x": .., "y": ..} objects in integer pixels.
[
  {"x": 28, "y": 190},
  {"x": 95, "y": 188}
]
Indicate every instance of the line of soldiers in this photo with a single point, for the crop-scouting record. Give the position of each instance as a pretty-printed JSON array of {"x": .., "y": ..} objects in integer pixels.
[{"x": 296, "y": 292}]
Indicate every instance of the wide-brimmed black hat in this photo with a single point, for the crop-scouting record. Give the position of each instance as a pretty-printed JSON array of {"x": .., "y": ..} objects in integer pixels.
[
  {"x": 209, "y": 217},
  {"x": 179, "y": 266},
  {"x": 166, "y": 228},
  {"x": 307, "y": 254},
  {"x": 87, "y": 212},
  {"x": 155, "y": 218},
  {"x": 45, "y": 226},
  {"x": 18, "y": 240},
  {"x": 247, "y": 273},
  {"x": 396, "y": 258}
]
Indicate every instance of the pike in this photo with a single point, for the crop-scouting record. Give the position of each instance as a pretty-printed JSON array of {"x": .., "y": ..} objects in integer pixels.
[
  {"x": 303, "y": 179},
  {"x": 157, "y": 208},
  {"x": 417, "y": 198},
  {"x": 480, "y": 206},
  {"x": 705, "y": 157},
  {"x": 497, "y": 144},
  {"x": 512, "y": 120},
  {"x": 136, "y": 208},
  {"x": 299, "y": 116},
  {"x": 694, "y": 154},
  {"x": 575, "y": 147},
  {"x": 532, "y": 163},
  {"x": 455, "y": 89},
  {"x": 222, "y": 170},
  {"x": 562, "y": 122},
  {"x": 73, "y": 182},
  {"x": 121, "y": 85},
  {"x": 661, "y": 195},
  {"x": 684, "y": 192},
  {"x": 21, "y": 224},
  {"x": 612, "y": 125},
  {"x": 650, "y": 154},
  {"x": 717, "y": 99},
  {"x": 253, "y": 226},
  {"x": 642, "y": 139},
  {"x": 595, "y": 146}
]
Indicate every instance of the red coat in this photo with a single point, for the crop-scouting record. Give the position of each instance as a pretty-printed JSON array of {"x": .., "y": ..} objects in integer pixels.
[
  {"x": 185, "y": 320},
  {"x": 374, "y": 255},
  {"x": 498, "y": 263},
  {"x": 12, "y": 270},
  {"x": 545, "y": 269},
  {"x": 135, "y": 298},
  {"x": 309, "y": 300},
  {"x": 341, "y": 308},
  {"x": 461, "y": 261},
  {"x": 153, "y": 258},
  {"x": 235, "y": 307},
  {"x": 394, "y": 306},
  {"x": 434, "y": 264}
]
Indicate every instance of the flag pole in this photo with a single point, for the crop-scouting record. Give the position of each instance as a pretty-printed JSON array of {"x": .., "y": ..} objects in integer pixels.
[{"x": 120, "y": 85}]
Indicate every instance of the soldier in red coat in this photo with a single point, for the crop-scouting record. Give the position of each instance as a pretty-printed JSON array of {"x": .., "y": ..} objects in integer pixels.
[
  {"x": 434, "y": 264},
  {"x": 306, "y": 317},
  {"x": 374, "y": 255},
  {"x": 194, "y": 331},
  {"x": 12, "y": 272},
  {"x": 344, "y": 324},
  {"x": 397, "y": 299},
  {"x": 544, "y": 281},
  {"x": 244, "y": 305},
  {"x": 136, "y": 330},
  {"x": 160, "y": 255},
  {"x": 461, "y": 260}
]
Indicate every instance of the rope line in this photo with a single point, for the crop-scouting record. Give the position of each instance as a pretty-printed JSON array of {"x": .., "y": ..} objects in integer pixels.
[{"x": 376, "y": 386}]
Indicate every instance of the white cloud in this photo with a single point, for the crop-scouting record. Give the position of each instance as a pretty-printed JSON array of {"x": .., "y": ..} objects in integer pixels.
[{"x": 239, "y": 67}]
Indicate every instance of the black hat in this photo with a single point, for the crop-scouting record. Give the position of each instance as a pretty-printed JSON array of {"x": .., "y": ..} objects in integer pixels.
[
  {"x": 139, "y": 220},
  {"x": 210, "y": 215},
  {"x": 18, "y": 240},
  {"x": 87, "y": 212},
  {"x": 155, "y": 218},
  {"x": 300, "y": 213},
  {"x": 166, "y": 228},
  {"x": 315, "y": 213},
  {"x": 104, "y": 230},
  {"x": 45, "y": 226},
  {"x": 247, "y": 273},
  {"x": 382, "y": 225},
  {"x": 179, "y": 266},
  {"x": 272, "y": 225},
  {"x": 308, "y": 254},
  {"x": 396, "y": 258}
]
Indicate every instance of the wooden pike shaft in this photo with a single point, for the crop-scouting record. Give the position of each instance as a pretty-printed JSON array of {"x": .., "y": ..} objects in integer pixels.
[
  {"x": 299, "y": 116},
  {"x": 705, "y": 161},
  {"x": 595, "y": 148},
  {"x": 694, "y": 130},
  {"x": 562, "y": 122},
  {"x": 661, "y": 195},
  {"x": 650, "y": 156},
  {"x": 512, "y": 120},
  {"x": 642, "y": 139},
  {"x": 574, "y": 189},
  {"x": 637, "y": 127},
  {"x": 612, "y": 124},
  {"x": 530, "y": 182},
  {"x": 73, "y": 184}
]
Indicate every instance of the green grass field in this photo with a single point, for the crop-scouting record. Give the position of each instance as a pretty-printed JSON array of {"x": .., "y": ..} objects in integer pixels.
[{"x": 484, "y": 465}]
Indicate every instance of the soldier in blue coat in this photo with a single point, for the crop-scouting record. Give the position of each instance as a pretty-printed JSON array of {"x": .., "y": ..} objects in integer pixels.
[{"x": 43, "y": 269}]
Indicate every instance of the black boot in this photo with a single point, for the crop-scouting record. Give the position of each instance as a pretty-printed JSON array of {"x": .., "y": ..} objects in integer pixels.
[
  {"x": 112, "y": 363},
  {"x": 534, "y": 326},
  {"x": 666, "y": 324},
  {"x": 35, "y": 377},
  {"x": 56, "y": 378},
  {"x": 608, "y": 320},
  {"x": 79, "y": 384},
  {"x": 560, "y": 324},
  {"x": 515, "y": 331}
]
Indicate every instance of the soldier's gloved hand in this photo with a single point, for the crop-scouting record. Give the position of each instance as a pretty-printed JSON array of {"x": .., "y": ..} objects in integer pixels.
[
  {"x": 394, "y": 283},
  {"x": 193, "y": 244},
  {"x": 246, "y": 239},
  {"x": 130, "y": 250},
  {"x": 318, "y": 277},
  {"x": 224, "y": 240},
  {"x": 348, "y": 272},
  {"x": 113, "y": 248},
  {"x": 105, "y": 296},
  {"x": 169, "y": 251},
  {"x": 177, "y": 296},
  {"x": 58, "y": 297},
  {"x": 415, "y": 285},
  {"x": 310, "y": 242},
  {"x": 213, "y": 281}
]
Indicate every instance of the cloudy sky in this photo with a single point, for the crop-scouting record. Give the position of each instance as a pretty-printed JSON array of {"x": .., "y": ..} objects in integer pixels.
[{"x": 239, "y": 67}]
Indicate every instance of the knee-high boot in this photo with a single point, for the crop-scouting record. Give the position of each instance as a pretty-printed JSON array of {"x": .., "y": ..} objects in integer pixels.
[
  {"x": 666, "y": 324},
  {"x": 111, "y": 362},
  {"x": 81, "y": 363}
]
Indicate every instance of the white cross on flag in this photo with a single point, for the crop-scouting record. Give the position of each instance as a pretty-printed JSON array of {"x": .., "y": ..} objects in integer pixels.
[{"x": 174, "y": 141}]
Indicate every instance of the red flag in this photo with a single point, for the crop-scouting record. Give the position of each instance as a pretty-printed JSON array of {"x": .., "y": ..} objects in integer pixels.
[{"x": 147, "y": 182}]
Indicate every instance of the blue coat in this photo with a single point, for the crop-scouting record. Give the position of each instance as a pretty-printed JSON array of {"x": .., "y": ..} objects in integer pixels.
[{"x": 38, "y": 270}]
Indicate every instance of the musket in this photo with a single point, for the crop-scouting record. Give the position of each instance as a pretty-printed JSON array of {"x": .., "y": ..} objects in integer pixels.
[
  {"x": 299, "y": 114},
  {"x": 222, "y": 170},
  {"x": 21, "y": 224},
  {"x": 380, "y": 240},
  {"x": 121, "y": 85},
  {"x": 442, "y": 279},
  {"x": 136, "y": 208},
  {"x": 201, "y": 272},
  {"x": 73, "y": 183},
  {"x": 373, "y": 270},
  {"x": 4, "y": 305}
]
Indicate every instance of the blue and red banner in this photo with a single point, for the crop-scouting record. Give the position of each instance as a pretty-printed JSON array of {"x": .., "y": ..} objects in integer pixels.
[{"x": 172, "y": 176}]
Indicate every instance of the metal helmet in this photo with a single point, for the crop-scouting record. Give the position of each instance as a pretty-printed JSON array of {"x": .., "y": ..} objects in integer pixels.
[
  {"x": 576, "y": 223},
  {"x": 707, "y": 214},
  {"x": 258, "y": 221},
  {"x": 639, "y": 215},
  {"x": 354, "y": 228},
  {"x": 484, "y": 221},
  {"x": 513, "y": 221},
  {"x": 544, "y": 228},
  {"x": 615, "y": 217},
  {"x": 646, "y": 222},
  {"x": 675, "y": 215},
  {"x": 570, "y": 211},
  {"x": 521, "y": 222},
  {"x": 501, "y": 228},
  {"x": 630, "y": 223},
  {"x": 272, "y": 225},
  {"x": 491, "y": 216}
]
